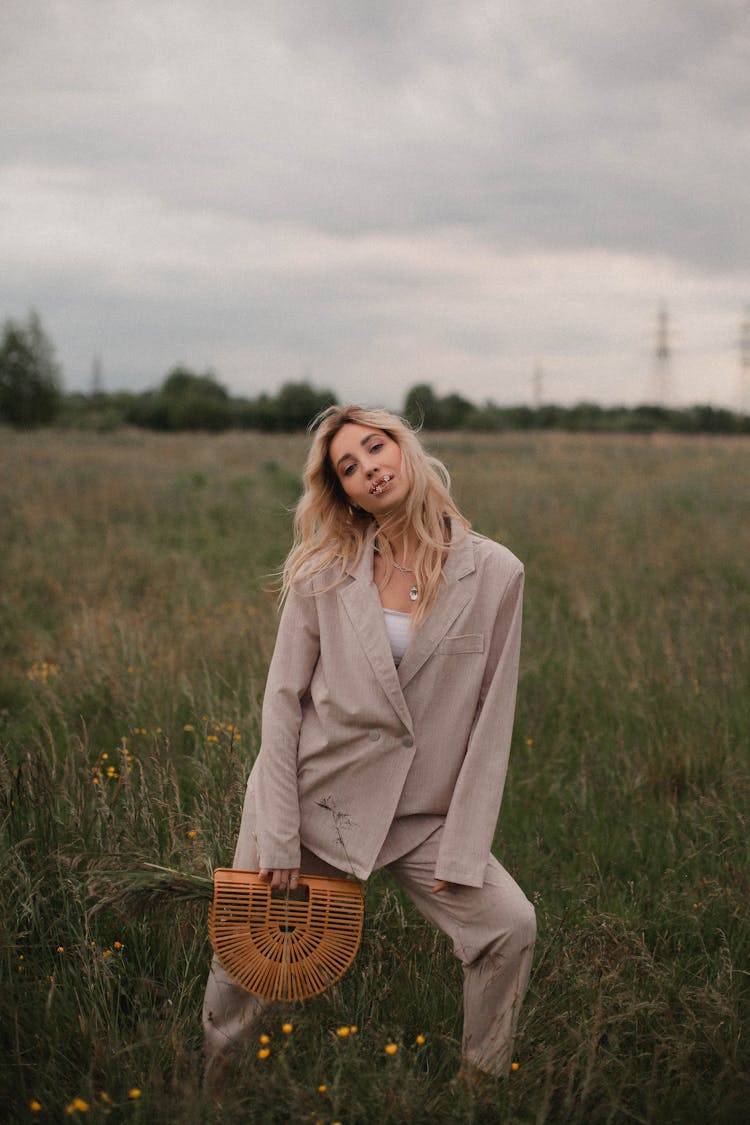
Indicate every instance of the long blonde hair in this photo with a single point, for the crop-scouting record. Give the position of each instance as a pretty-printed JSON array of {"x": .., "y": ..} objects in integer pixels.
[{"x": 329, "y": 532}]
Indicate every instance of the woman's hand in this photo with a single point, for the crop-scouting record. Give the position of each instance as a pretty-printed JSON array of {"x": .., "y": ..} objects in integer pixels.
[
  {"x": 280, "y": 878},
  {"x": 439, "y": 886}
]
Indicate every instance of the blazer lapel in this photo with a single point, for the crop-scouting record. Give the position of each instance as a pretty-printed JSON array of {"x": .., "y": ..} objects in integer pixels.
[
  {"x": 362, "y": 603},
  {"x": 451, "y": 599}
]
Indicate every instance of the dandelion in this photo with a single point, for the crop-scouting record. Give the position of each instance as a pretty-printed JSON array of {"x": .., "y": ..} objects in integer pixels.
[
  {"x": 117, "y": 944},
  {"x": 35, "y": 1106},
  {"x": 391, "y": 1048},
  {"x": 287, "y": 1028},
  {"x": 105, "y": 755},
  {"x": 420, "y": 1040},
  {"x": 322, "y": 1088},
  {"x": 343, "y": 1032},
  {"x": 514, "y": 1065},
  {"x": 134, "y": 1093},
  {"x": 105, "y": 1097},
  {"x": 60, "y": 949},
  {"x": 107, "y": 953},
  {"x": 192, "y": 833},
  {"x": 188, "y": 727},
  {"x": 78, "y": 1105},
  {"x": 212, "y": 738},
  {"x": 264, "y": 1052},
  {"x": 264, "y": 1039}
]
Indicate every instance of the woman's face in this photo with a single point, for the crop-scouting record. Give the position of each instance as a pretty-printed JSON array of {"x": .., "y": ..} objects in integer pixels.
[{"x": 368, "y": 464}]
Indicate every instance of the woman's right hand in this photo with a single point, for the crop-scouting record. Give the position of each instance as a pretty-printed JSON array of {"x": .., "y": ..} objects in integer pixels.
[{"x": 280, "y": 878}]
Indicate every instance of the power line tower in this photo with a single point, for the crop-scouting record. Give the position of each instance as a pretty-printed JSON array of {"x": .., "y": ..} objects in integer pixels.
[
  {"x": 662, "y": 377},
  {"x": 744, "y": 396},
  {"x": 97, "y": 375},
  {"x": 537, "y": 386}
]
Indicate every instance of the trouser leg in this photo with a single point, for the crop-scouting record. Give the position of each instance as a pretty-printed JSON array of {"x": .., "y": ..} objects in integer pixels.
[{"x": 493, "y": 929}]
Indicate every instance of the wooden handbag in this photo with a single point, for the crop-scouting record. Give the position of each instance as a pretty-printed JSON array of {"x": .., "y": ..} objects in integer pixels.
[{"x": 285, "y": 946}]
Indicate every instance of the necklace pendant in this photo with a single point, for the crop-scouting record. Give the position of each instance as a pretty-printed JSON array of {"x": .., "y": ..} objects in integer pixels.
[{"x": 413, "y": 593}]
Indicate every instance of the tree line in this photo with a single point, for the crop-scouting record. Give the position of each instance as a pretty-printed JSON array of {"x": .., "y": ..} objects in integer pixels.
[{"x": 31, "y": 394}]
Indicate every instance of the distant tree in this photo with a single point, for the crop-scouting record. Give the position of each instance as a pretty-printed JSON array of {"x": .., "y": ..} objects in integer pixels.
[
  {"x": 185, "y": 401},
  {"x": 297, "y": 404},
  {"x": 421, "y": 407},
  {"x": 455, "y": 412},
  {"x": 30, "y": 380}
]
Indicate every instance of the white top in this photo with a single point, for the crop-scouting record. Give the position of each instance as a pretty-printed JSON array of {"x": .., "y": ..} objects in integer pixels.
[{"x": 398, "y": 628}]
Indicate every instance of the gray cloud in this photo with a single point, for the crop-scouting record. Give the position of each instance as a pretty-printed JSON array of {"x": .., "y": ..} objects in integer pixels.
[{"x": 371, "y": 192}]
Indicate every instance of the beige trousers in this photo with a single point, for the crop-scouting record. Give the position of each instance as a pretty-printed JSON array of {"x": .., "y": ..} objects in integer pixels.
[{"x": 492, "y": 928}]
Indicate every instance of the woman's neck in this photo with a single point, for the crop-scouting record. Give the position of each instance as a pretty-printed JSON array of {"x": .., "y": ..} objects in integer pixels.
[{"x": 403, "y": 547}]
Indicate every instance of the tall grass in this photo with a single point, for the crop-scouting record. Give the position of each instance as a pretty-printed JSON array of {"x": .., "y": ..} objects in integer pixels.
[{"x": 137, "y": 620}]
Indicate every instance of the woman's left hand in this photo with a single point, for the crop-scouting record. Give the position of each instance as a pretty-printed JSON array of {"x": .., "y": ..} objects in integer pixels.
[{"x": 439, "y": 886}]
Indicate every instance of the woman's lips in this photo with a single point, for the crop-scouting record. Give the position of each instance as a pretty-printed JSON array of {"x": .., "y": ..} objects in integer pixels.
[{"x": 382, "y": 482}]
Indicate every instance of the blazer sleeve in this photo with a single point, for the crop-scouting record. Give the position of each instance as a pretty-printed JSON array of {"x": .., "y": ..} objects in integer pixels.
[
  {"x": 292, "y": 665},
  {"x": 473, "y": 811}
]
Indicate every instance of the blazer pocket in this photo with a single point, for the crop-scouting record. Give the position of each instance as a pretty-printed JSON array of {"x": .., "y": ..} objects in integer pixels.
[{"x": 469, "y": 642}]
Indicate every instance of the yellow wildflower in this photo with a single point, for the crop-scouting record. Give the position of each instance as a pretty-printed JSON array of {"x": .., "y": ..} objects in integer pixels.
[
  {"x": 342, "y": 1032},
  {"x": 353, "y": 1029},
  {"x": 134, "y": 1092},
  {"x": 419, "y": 1040},
  {"x": 188, "y": 726},
  {"x": 514, "y": 1065},
  {"x": 35, "y": 1106},
  {"x": 78, "y": 1105},
  {"x": 60, "y": 949},
  {"x": 105, "y": 1097},
  {"x": 107, "y": 953},
  {"x": 211, "y": 738},
  {"x": 322, "y": 1088},
  {"x": 118, "y": 945},
  {"x": 391, "y": 1048},
  {"x": 264, "y": 1039},
  {"x": 287, "y": 1028},
  {"x": 264, "y": 1052},
  {"x": 192, "y": 833}
]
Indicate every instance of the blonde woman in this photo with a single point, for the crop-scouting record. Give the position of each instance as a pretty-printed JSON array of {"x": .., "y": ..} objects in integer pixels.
[{"x": 388, "y": 714}]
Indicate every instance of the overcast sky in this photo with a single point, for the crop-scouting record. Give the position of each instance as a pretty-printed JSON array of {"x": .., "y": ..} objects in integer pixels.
[{"x": 373, "y": 193}]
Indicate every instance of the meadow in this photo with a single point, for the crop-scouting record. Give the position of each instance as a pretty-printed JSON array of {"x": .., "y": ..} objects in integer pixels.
[{"x": 137, "y": 618}]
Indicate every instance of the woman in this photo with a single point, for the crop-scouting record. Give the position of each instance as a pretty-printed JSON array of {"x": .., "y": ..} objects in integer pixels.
[{"x": 388, "y": 714}]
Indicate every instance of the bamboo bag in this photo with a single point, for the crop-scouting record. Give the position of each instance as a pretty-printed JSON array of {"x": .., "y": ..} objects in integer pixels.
[{"x": 285, "y": 946}]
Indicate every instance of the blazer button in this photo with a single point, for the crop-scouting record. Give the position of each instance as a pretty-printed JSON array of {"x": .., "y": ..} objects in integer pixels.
[
  {"x": 407, "y": 741},
  {"x": 374, "y": 735}
]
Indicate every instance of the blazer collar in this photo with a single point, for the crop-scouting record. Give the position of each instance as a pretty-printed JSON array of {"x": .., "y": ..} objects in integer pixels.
[{"x": 362, "y": 603}]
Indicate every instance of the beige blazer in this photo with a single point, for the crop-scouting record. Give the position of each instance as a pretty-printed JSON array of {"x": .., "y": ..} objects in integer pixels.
[{"x": 350, "y": 742}]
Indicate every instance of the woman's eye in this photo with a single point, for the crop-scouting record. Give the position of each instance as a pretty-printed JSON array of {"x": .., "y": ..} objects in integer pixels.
[
  {"x": 347, "y": 471},
  {"x": 376, "y": 446}
]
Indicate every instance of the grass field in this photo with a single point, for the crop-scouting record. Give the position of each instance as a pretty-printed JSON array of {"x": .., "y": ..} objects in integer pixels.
[{"x": 136, "y": 625}]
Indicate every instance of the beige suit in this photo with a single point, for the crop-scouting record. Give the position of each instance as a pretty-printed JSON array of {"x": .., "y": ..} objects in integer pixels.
[
  {"x": 365, "y": 765},
  {"x": 350, "y": 742}
]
